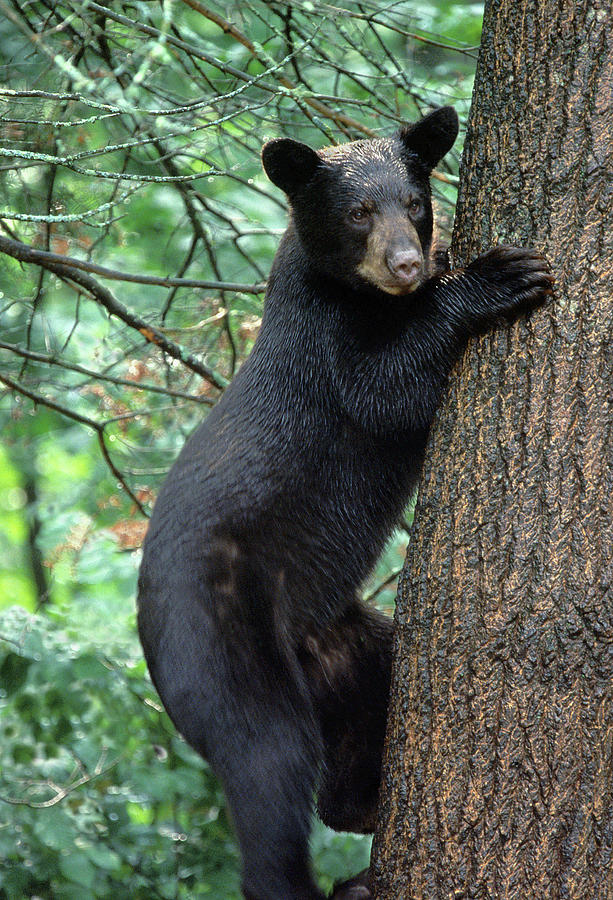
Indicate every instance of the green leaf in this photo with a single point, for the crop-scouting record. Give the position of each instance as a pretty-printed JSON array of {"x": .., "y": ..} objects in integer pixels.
[
  {"x": 13, "y": 673},
  {"x": 77, "y": 867},
  {"x": 23, "y": 753},
  {"x": 103, "y": 857},
  {"x": 14, "y": 882},
  {"x": 55, "y": 828}
]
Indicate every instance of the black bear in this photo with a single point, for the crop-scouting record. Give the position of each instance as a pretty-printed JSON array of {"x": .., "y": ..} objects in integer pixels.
[{"x": 280, "y": 503}]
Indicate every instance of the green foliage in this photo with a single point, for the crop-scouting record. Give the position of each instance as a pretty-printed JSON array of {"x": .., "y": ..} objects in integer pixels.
[
  {"x": 139, "y": 151},
  {"x": 99, "y": 797},
  {"x": 15, "y": 578},
  {"x": 166, "y": 114}
]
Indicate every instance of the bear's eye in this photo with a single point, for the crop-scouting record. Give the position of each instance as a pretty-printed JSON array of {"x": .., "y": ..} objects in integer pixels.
[
  {"x": 358, "y": 215},
  {"x": 414, "y": 207}
]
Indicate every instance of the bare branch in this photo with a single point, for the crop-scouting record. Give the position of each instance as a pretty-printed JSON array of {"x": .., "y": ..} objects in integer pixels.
[
  {"x": 46, "y": 360},
  {"x": 83, "y": 420},
  {"x": 25, "y": 253},
  {"x": 60, "y": 793}
]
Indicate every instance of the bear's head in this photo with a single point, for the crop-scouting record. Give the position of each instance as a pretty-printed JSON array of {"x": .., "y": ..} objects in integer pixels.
[{"x": 363, "y": 210}]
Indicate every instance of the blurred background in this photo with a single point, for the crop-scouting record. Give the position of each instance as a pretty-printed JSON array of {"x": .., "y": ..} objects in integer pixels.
[{"x": 137, "y": 231}]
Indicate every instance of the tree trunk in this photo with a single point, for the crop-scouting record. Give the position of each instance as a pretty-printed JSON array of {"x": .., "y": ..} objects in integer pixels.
[{"x": 498, "y": 778}]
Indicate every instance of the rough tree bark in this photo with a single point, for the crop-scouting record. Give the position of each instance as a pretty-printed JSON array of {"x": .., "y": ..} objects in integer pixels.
[{"x": 499, "y": 770}]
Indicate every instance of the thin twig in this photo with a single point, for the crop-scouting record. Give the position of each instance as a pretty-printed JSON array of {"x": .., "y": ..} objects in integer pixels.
[
  {"x": 42, "y": 358},
  {"x": 102, "y": 295},
  {"x": 76, "y": 417},
  {"x": 44, "y": 257}
]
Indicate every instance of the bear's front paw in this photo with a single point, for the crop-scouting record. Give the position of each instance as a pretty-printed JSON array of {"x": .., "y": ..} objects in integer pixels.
[
  {"x": 515, "y": 279},
  {"x": 357, "y": 888}
]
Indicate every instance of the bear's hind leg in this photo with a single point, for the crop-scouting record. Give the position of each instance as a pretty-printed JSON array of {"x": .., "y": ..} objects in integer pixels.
[
  {"x": 246, "y": 713},
  {"x": 350, "y": 667},
  {"x": 269, "y": 779}
]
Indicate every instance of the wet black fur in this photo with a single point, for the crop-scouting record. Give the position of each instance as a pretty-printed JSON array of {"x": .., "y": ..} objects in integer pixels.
[{"x": 281, "y": 502}]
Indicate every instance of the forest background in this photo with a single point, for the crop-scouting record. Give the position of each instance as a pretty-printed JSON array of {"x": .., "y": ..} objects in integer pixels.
[{"x": 130, "y": 139}]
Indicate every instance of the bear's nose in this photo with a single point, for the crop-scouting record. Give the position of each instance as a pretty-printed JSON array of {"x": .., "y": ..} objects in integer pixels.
[{"x": 405, "y": 265}]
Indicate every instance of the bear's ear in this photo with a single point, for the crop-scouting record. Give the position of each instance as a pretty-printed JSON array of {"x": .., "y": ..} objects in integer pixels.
[
  {"x": 433, "y": 136},
  {"x": 289, "y": 164}
]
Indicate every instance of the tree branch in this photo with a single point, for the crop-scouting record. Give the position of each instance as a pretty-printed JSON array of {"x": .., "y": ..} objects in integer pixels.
[
  {"x": 83, "y": 420},
  {"x": 46, "y": 360},
  {"x": 44, "y": 257},
  {"x": 102, "y": 295}
]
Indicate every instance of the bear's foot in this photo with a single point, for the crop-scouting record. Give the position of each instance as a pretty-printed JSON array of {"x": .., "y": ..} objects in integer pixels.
[{"x": 357, "y": 888}]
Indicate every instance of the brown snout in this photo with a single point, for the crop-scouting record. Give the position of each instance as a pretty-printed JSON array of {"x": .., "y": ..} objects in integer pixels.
[
  {"x": 405, "y": 264},
  {"x": 393, "y": 259}
]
